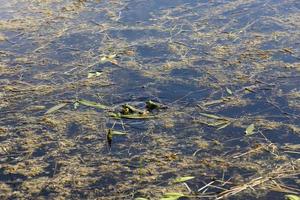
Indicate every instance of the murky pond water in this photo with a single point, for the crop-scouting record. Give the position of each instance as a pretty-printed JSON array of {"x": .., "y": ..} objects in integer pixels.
[{"x": 139, "y": 99}]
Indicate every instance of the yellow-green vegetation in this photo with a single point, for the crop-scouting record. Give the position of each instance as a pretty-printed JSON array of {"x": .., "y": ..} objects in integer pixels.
[{"x": 149, "y": 100}]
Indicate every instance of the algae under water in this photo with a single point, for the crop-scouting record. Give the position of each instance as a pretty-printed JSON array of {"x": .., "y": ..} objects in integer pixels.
[{"x": 178, "y": 99}]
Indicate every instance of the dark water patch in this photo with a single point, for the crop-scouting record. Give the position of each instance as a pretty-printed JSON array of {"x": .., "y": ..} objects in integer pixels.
[
  {"x": 185, "y": 73},
  {"x": 232, "y": 133},
  {"x": 145, "y": 11},
  {"x": 190, "y": 94},
  {"x": 63, "y": 55},
  {"x": 267, "y": 27},
  {"x": 19, "y": 46},
  {"x": 252, "y": 109},
  {"x": 138, "y": 12},
  {"x": 81, "y": 41},
  {"x": 273, "y": 195},
  {"x": 12, "y": 178},
  {"x": 204, "y": 62},
  {"x": 157, "y": 50},
  {"x": 281, "y": 136},
  {"x": 74, "y": 129},
  {"x": 39, "y": 152},
  {"x": 133, "y": 81},
  {"x": 286, "y": 57},
  {"x": 104, "y": 182},
  {"x": 133, "y": 35}
]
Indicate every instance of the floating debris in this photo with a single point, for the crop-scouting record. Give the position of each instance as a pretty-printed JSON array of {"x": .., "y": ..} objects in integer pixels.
[
  {"x": 92, "y": 104},
  {"x": 55, "y": 108},
  {"x": 211, "y": 116},
  {"x": 250, "y": 130},
  {"x": 223, "y": 70},
  {"x": 172, "y": 196},
  {"x": 94, "y": 74},
  {"x": 183, "y": 179},
  {"x": 128, "y": 109},
  {"x": 229, "y": 91},
  {"x": 109, "y": 58},
  {"x": 291, "y": 197},
  {"x": 112, "y": 133},
  {"x": 151, "y": 105},
  {"x": 131, "y": 116}
]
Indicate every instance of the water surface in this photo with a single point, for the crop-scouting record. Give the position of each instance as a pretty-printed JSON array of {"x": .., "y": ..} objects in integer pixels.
[{"x": 216, "y": 68}]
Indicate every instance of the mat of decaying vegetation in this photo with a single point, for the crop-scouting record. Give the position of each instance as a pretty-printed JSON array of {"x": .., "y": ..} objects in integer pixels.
[{"x": 149, "y": 99}]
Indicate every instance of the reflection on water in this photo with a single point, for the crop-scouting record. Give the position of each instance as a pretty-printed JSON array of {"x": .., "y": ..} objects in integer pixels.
[{"x": 173, "y": 86}]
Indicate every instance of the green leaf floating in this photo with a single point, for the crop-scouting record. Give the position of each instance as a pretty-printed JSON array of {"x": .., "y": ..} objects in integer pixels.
[
  {"x": 183, "y": 179},
  {"x": 94, "y": 74},
  {"x": 151, "y": 105},
  {"x": 117, "y": 133},
  {"x": 172, "y": 196},
  {"x": 130, "y": 116},
  {"x": 210, "y": 116},
  {"x": 92, "y": 104},
  {"x": 112, "y": 133},
  {"x": 292, "y": 197},
  {"x": 55, "y": 108},
  {"x": 250, "y": 130},
  {"x": 224, "y": 126},
  {"x": 229, "y": 91}
]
